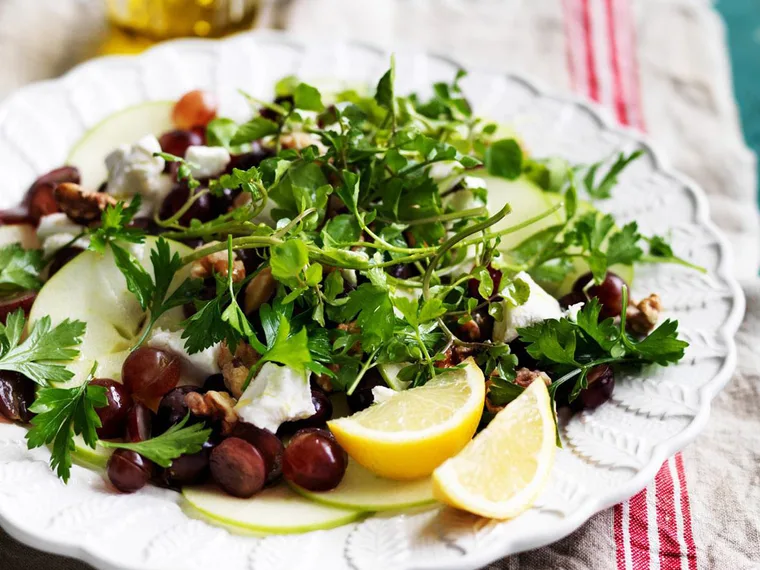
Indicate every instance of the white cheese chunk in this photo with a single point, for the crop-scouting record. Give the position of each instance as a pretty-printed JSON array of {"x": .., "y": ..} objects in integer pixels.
[
  {"x": 382, "y": 394},
  {"x": 195, "y": 367},
  {"x": 540, "y": 306},
  {"x": 133, "y": 169},
  {"x": 572, "y": 311},
  {"x": 207, "y": 161},
  {"x": 276, "y": 395},
  {"x": 56, "y": 231}
]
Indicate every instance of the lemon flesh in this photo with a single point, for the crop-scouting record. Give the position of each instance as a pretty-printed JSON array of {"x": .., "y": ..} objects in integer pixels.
[
  {"x": 501, "y": 472},
  {"x": 413, "y": 432}
]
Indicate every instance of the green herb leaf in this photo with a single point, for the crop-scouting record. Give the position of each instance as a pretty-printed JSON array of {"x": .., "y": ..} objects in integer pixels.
[
  {"x": 20, "y": 268},
  {"x": 63, "y": 413},
  {"x": 287, "y": 349},
  {"x": 220, "y": 132},
  {"x": 255, "y": 129},
  {"x": 42, "y": 355},
  {"x": 289, "y": 259},
  {"x": 572, "y": 348},
  {"x": 504, "y": 159},
  {"x": 114, "y": 226},
  {"x": 603, "y": 189},
  {"x": 162, "y": 450},
  {"x": 372, "y": 308},
  {"x": 308, "y": 98}
]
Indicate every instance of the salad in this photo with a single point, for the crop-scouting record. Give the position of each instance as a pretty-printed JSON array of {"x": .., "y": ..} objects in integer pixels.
[{"x": 348, "y": 303}]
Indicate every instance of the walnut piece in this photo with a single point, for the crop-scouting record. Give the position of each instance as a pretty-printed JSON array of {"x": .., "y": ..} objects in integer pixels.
[
  {"x": 525, "y": 377},
  {"x": 259, "y": 290},
  {"x": 300, "y": 141},
  {"x": 236, "y": 367},
  {"x": 217, "y": 262},
  {"x": 80, "y": 206},
  {"x": 324, "y": 381},
  {"x": 352, "y": 328},
  {"x": 454, "y": 355},
  {"x": 218, "y": 406},
  {"x": 642, "y": 317}
]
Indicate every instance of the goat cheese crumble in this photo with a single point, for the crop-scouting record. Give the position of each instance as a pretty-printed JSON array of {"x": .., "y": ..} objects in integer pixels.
[
  {"x": 540, "y": 306},
  {"x": 133, "y": 169},
  {"x": 277, "y": 394},
  {"x": 207, "y": 161}
]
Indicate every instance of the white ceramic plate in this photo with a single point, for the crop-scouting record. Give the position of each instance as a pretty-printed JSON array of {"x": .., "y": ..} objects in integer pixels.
[{"x": 608, "y": 455}]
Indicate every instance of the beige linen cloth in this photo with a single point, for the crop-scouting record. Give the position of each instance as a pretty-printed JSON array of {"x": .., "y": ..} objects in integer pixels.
[{"x": 690, "y": 113}]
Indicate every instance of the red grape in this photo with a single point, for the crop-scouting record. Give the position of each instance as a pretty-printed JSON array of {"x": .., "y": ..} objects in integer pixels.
[
  {"x": 473, "y": 284},
  {"x": 149, "y": 373},
  {"x": 113, "y": 416},
  {"x": 202, "y": 209},
  {"x": 15, "y": 217},
  {"x": 172, "y": 408},
  {"x": 139, "y": 422},
  {"x": 601, "y": 383},
  {"x": 238, "y": 468},
  {"x": 314, "y": 460},
  {"x": 609, "y": 292},
  {"x": 23, "y": 301},
  {"x": 216, "y": 383},
  {"x": 176, "y": 142},
  {"x": 362, "y": 397},
  {"x": 195, "y": 109},
  {"x": 128, "y": 471},
  {"x": 268, "y": 445},
  {"x": 39, "y": 198},
  {"x": 189, "y": 469},
  {"x": 62, "y": 257},
  {"x": 16, "y": 395}
]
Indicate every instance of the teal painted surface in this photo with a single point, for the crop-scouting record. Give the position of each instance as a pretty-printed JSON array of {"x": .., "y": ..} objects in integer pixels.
[{"x": 743, "y": 20}]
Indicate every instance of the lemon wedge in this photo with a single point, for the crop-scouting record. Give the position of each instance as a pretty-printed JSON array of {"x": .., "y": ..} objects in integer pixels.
[
  {"x": 501, "y": 472},
  {"x": 414, "y": 431}
]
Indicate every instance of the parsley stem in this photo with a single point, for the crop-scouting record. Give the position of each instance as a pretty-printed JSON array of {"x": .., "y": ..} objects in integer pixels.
[
  {"x": 173, "y": 220},
  {"x": 459, "y": 239},
  {"x": 365, "y": 367},
  {"x": 238, "y": 243},
  {"x": 513, "y": 229},
  {"x": 472, "y": 212},
  {"x": 672, "y": 259},
  {"x": 293, "y": 223}
]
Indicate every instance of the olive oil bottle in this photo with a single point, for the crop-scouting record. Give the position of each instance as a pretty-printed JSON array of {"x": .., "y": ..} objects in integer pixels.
[{"x": 162, "y": 19}]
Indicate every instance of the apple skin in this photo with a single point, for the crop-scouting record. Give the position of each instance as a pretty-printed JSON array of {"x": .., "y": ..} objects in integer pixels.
[
  {"x": 275, "y": 510},
  {"x": 364, "y": 491}
]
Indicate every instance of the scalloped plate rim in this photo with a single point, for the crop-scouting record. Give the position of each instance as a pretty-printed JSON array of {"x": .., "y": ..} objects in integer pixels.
[{"x": 584, "y": 510}]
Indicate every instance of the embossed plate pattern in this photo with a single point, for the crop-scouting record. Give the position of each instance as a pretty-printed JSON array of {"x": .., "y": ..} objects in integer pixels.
[{"x": 608, "y": 455}]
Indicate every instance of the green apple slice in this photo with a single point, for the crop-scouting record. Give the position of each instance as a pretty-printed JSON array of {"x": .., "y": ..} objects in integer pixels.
[
  {"x": 124, "y": 127},
  {"x": 91, "y": 288},
  {"x": 362, "y": 490},
  {"x": 276, "y": 510},
  {"x": 86, "y": 456},
  {"x": 390, "y": 371},
  {"x": 529, "y": 200}
]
